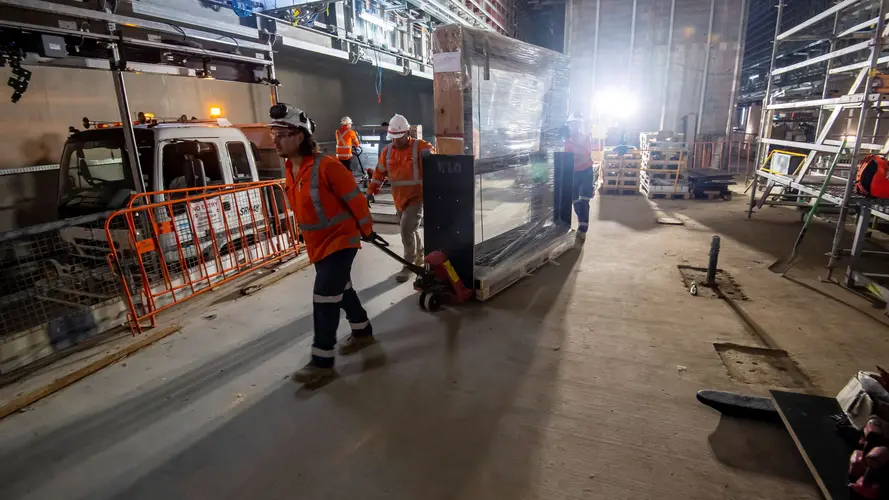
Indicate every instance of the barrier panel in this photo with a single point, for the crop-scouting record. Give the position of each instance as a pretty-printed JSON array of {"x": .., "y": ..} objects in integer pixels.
[
  {"x": 55, "y": 289},
  {"x": 736, "y": 157},
  {"x": 185, "y": 242}
]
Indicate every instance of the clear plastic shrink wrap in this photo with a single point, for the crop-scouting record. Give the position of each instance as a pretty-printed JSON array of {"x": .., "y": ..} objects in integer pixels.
[{"x": 514, "y": 105}]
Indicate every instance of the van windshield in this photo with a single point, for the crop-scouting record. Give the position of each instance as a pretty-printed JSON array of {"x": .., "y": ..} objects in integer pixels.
[{"x": 95, "y": 172}]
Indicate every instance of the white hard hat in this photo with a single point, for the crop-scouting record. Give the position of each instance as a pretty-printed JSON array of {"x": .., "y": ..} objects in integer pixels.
[
  {"x": 398, "y": 126},
  {"x": 575, "y": 117},
  {"x": 345, "y": 120},
  {"x": 286, "y": 116}
]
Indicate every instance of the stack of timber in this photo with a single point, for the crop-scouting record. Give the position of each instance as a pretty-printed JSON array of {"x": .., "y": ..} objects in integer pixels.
[
  {"x": 619, "y": 174},
  {"x": 664, "y": 161},
  {"x": 710, "y": 184}
]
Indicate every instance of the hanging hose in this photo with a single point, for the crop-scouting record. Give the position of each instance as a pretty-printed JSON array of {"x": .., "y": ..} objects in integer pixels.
[{"x": 378, "y": 84}]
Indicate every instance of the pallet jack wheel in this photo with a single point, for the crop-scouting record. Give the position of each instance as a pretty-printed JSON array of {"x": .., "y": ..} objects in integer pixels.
[
  {"x": 432, "y": 302},
  {"x": 422, "y": 300}
]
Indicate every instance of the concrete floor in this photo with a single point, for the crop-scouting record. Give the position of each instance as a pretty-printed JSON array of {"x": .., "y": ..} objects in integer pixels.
[{"x": 577, "y": 382}]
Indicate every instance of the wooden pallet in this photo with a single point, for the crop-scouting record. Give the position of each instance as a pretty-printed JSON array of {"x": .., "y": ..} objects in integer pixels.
[
  {"x": 664, "y": 165},
  {"x": 670, "y": 192},
  {"x": 616, "y": 165},
  {"x": 663, "y": 195},
  {"x": 620, "y": 172},
  {"x": 665, "y": 146},
  {"x": 620, "y": 183},
  {"x": 490, "y": 286},
  {"x": 666, "y": 196},
  {"x": 618, "y": 190},
  {"x": 629, "y": 156},
  {"x": 663, "y": 174},
  {"x": 680, "y": 161}
]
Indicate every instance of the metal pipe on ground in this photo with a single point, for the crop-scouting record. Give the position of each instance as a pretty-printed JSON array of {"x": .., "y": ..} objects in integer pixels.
[{"x": 714, "y": 261}]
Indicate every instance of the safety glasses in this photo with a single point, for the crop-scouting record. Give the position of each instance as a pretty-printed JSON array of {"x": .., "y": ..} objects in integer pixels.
[{"x": 278, "y": 133}]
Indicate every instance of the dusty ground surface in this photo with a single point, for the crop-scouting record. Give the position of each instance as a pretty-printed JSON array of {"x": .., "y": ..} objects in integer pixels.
[{"x": 578, "y": 382}]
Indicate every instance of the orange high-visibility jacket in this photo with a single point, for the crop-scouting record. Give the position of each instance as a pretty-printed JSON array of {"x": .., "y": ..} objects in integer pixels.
[
  {"x": 330, "y": 210},
  {"x": 404, "y": 168},
  {"x": 345, "y": 140},
  {"x": 583, "y": 152}
]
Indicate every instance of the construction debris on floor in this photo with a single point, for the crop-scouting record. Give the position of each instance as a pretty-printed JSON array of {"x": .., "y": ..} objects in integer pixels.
[{"x": 844, "y": 441}]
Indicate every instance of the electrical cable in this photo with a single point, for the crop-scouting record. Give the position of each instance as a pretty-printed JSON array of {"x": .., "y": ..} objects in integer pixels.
[
  {"x": 378, "y": 81},
  {"x": 179, "y": 29}
]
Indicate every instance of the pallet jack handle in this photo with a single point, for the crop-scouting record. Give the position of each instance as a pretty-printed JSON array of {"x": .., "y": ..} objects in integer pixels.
[{"x": 378, "y": 241}]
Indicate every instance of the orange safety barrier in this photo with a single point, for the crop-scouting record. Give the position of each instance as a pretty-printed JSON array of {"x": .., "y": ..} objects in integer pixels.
[
  {"x": 734, "y": 156},
  {"x": 185, "y": 242}
]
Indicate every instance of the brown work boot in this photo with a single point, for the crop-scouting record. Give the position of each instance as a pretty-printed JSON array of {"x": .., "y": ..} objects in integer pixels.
[
  {"x": 312, "y": 374},
  {"x": 355, "y": 343}
]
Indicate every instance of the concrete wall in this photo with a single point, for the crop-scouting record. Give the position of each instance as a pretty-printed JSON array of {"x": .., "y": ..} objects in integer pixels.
[
  {"x": 329, "y": 89},
  {"x": 644, "y": 71},
  {"x": 33, "y": 131}
]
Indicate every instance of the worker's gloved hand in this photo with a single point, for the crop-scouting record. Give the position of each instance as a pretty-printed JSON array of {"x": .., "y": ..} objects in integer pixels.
[{"x": 373, "y": 237}]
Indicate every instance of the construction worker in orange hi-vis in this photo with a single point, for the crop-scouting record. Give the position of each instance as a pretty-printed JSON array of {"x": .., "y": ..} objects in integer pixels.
[
  {"x": 333, "y": 217},
  {"x": 581, "y": 144},
  {"x": 346, "y": 141},
  {"x": 402, "y": 162}
]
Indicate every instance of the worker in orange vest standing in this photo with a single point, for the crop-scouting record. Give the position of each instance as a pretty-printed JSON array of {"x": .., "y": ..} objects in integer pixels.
[
  {"x": 346, "y": 141},
  {"x": 402, "y": 162},
  {"x": 332, "y": 216},
  {"x": 581, "y": 145}
]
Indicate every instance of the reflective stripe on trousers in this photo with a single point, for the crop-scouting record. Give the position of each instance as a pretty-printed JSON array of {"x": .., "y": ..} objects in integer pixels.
[{"x": 332, "y": 280}]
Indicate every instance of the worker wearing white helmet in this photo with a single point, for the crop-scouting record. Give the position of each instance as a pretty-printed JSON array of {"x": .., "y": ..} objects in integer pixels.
[
  {"x": 402, "y": 163},
  {"x": 581, "y": 145},
  {"x": 346, "y": 142},
  {"x": 333, "y": 217}
]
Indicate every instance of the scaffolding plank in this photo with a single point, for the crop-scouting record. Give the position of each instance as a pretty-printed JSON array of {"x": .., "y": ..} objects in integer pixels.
[
  {"x": 851, "y": 143},
  {"x": 830, "y": 55},
  {"x": 816, "y": 19},
  {"x": 858, "y": 65},
  {"x": 814, "y": 103},
  {"x": 802, "y": 145},
  {"x": 860, "y": 26}
]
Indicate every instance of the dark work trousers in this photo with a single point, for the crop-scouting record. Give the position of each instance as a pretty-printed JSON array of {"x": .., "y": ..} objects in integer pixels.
[
  {"x": 348, "y": 163},
  {"x": 582, "y": 194},
  {"x": 333, "y": 291}
]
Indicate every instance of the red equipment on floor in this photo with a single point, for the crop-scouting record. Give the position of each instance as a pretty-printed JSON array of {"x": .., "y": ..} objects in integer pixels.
[
  {"x": 437, "y": 283},
  {"x": 873, "y": 177}
]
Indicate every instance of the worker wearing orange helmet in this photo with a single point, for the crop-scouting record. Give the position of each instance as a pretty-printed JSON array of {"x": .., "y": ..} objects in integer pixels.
[
  {"x": 581, "y": 145},
  {"x": 332, "y": 216},
  {"x": 402, "y": 162},
  {"x": 346, "y": 141}
]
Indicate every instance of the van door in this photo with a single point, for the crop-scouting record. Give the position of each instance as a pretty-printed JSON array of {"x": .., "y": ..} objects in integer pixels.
[
  {"x": 188, "y": 169},
  {"x": 252, "y": 210}
]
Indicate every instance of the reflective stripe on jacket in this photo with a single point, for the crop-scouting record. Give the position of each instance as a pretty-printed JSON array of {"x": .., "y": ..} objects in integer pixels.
[
  {"x": 330, "y": 210},
  {"x": 404, "y": 168},
  {"x": 344, "y": 143},
  {"x": 583, "y": 152}
]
